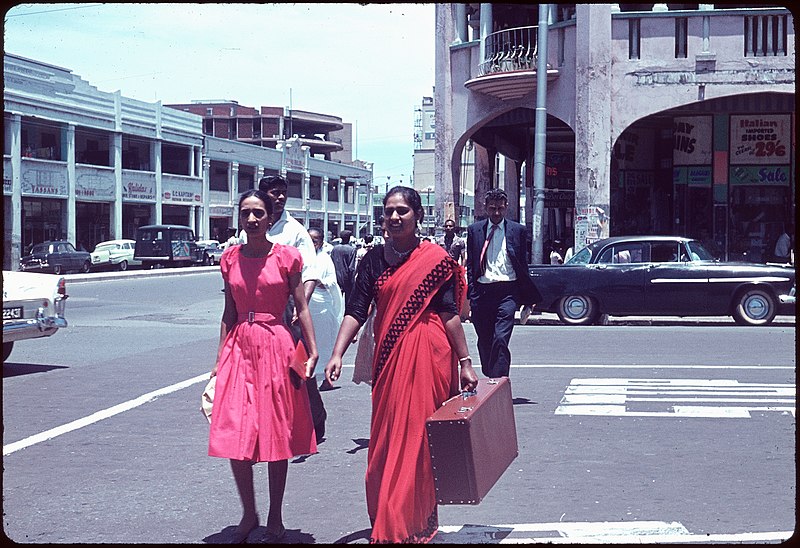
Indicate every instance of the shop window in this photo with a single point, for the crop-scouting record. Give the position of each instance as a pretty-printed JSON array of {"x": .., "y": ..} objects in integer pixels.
[
  {"x": 175, "y": 159},
  {"x": 315, "y": 188},
  {"x": 218, "y": 176},
  {"x": 333, "y": 190},
  {"x": 634, "y": 38},
  {"x": 294, "y": 185},
  {"x": 681, "y": 37}
]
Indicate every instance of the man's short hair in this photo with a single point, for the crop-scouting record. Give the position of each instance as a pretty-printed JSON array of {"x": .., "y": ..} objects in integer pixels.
[
  {"x": 495, "y": 195},
  {"x": 345, "y": 235},
  {"x": 271, "y": 181}
]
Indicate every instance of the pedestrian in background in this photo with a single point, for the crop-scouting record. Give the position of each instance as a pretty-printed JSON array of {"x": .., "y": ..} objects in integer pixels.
[
  {"x": 344, "y": 261},
  {"x": 287, "y": 230},
  {"x": 325, "y": 303},
  {"x": 783, "y": 247},
  {"x": 498, "y": 281},
  {"x": 419, "y": 345},
  {"x": 454, "y": 244},
  {"x": 557, "y": 253},
  {"x": 258, "y": 414}
]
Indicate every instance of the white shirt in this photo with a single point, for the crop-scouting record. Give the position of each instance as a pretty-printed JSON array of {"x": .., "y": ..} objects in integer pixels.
[
  {"x": 498, "y": 265},
  {"x": 288, "y": 231}
]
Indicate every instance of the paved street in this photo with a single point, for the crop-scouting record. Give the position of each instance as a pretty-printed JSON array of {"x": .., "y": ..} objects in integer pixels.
[{"x": 637, "y": 431}]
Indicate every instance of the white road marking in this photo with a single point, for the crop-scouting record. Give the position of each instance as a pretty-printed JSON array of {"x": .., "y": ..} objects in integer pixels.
[
  {"x": 629, "y": 532},
  {"x": 627, "y": 397},
  {"x": 104, "y": 414},
  {"x": 633, "y": 366}
]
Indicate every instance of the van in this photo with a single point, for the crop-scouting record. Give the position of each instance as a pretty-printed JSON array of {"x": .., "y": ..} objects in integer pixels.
[{"x": 166, "y": 245}]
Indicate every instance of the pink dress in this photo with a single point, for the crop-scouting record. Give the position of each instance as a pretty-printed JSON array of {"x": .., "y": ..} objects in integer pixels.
[{"x": 258, "y": 413}]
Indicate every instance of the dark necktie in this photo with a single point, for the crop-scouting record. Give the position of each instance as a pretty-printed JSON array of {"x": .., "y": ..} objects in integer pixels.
[{"x": 482, "y": 261}]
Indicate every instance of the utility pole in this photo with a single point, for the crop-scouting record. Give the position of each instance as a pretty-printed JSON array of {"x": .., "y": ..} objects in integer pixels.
[{"x": 540, "y": 137}]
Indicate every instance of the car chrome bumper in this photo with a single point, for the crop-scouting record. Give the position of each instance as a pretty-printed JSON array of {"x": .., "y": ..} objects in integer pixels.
[
  {"x": 31, "y": 328},
  {"x": 788, "y": 299}
]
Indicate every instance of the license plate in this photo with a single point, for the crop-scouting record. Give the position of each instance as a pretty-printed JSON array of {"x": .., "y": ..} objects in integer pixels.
[{"x": 12, "y": 313}]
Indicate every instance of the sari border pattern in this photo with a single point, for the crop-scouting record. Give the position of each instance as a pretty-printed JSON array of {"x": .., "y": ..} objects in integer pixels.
[
  {"x": 417, "y": 538},
  {"x": 414, "y": 304}
]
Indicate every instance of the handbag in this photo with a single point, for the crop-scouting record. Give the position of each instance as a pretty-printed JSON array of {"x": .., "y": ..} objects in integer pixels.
[
  {"x": 297, "y": 365},
  {"x": 207, "y": 399},
  {"x": 362, "y": 372}
]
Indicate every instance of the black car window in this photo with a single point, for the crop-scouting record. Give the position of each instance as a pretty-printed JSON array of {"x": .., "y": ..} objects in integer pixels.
[
  {"x": 68, "y": 248},
  {"x": 664, "y": 252}
]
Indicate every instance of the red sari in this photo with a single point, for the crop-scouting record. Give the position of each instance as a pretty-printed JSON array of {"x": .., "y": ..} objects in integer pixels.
[{"x": 414, "y": 371}]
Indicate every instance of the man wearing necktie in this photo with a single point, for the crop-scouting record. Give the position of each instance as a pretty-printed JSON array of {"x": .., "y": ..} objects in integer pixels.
[{"x": 498, "y": 281}]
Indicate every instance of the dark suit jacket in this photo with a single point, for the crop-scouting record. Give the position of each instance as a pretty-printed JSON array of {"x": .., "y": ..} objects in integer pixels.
[{"x": 516, "y": 247}]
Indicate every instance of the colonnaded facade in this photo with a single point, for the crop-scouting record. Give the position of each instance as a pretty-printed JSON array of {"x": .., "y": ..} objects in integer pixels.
[
  {"x": 660, "y": 118},
  {"x": 88, "y": 166}
]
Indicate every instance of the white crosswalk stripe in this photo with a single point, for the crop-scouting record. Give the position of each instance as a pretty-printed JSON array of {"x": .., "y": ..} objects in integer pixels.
[
  {"x": 700, "y": 398},
  {"x": 629, "y": 532}
]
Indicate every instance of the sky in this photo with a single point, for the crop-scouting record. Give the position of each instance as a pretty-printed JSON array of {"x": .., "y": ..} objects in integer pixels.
[{"x": 367, "y": 64}]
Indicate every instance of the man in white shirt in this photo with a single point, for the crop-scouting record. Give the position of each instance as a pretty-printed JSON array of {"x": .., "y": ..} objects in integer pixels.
[
  {"x": 287, "y": 230},
  {"x": 498, "y": 281}
]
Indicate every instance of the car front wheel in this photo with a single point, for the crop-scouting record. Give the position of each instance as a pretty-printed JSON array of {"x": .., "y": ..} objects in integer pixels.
[
  {"x": 578, "y": 310},
  {"x": 754, "y": 307},
  {"x": 85, "y": 267},
  {"x": 123, "y": 265},
  {"x": 57, "y": 269}
]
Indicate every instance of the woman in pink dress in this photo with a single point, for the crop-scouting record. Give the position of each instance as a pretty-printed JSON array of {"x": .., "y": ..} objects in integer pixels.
[{"x": 259, "y": 414}]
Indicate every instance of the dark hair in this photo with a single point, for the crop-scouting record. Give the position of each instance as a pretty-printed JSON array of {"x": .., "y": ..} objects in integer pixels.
[
  {"x": 345, "y": 235},
  {"x": 317, "y": 230},
  {"x": 368, "y": 238},
  {"x": 495, "y": 195},
  {"x": 271, "y": 181},
  {"x": 261, "y": 195},
  {"x": 411, "y": 196}
]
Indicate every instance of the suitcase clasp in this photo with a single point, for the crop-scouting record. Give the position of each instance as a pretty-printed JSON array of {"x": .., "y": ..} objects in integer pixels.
[
  {"x": 464, "y": 409},
  {"x": 467, "y": 393}
]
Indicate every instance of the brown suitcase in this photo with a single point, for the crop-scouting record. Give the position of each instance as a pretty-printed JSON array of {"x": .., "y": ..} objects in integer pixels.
[{"x": 472, "y": 441}]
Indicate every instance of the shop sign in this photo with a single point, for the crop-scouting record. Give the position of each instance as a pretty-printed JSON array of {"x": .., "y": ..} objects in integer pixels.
[
  {"x": 699, "y": 176},
  {"x": 760, "y": 139},
  {"x": 95, "y": 185},
  {"x": 220, "y": 211},
  {"x": 7, "y": 186},
  {"x": 692, "y": 141},
  {"x": 144, "y": 190},
  {"x": 294, "y": 156},
  {"x": 755, "y": 175},
  {"x": 44, "y": 181},
  {"x": 182, "y": 192},
  {"x": 559, "y": 198},
  {"x": 634, "y": 150}
]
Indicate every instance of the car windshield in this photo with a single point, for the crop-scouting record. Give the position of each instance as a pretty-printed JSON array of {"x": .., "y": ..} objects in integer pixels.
[
  {"x": 698, "y": 252},
  {"x": 581, "y": 257}
]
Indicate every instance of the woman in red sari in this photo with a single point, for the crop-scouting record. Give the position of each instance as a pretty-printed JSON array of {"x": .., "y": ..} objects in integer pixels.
[{"x": 419, "y": 345}]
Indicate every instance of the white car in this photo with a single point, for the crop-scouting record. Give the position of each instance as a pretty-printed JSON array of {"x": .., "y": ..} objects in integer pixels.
[
  {"x": 212, "y": 251},
  {"x": 117, "y": 254},
  {"x": 33, "y": 306}
]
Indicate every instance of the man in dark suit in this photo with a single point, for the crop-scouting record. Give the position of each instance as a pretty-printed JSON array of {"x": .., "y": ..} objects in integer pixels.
[
  {"x": 344, "y": 261},
  {"x": 498, "y": 280}
]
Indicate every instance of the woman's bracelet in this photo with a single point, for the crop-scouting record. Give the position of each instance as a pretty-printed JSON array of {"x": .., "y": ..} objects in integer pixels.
[{"x": 465, "y": 358}]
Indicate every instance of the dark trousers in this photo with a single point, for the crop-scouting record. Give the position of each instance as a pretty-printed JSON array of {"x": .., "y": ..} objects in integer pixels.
[
  {"x": 493, "y": 308},
  {"x": 318, "y": 412}
]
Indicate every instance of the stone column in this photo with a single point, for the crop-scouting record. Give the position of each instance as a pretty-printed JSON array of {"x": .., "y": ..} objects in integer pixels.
[
  {"x": 592, "y": 123},
  {"x": 71, "y": 177},
  {"x": 116, "y": 207},
  {"x": 13, "y": 252}
]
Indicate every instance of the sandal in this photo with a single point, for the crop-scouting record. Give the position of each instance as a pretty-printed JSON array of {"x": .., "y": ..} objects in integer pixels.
[{"x": 240, "y": 536}]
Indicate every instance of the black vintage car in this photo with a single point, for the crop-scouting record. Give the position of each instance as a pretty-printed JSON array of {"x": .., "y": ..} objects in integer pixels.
[
  {"x": 166, "y": 245},
  {"x": 661, "y": 276},
  {"x": 56, "y": 257}
]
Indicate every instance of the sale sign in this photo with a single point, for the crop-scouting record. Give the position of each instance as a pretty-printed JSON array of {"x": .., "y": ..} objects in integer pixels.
[{"x": 760, "y": 139}]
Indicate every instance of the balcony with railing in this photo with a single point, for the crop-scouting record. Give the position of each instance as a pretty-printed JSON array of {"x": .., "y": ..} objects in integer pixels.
[{"x": 508, "y": 68}]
